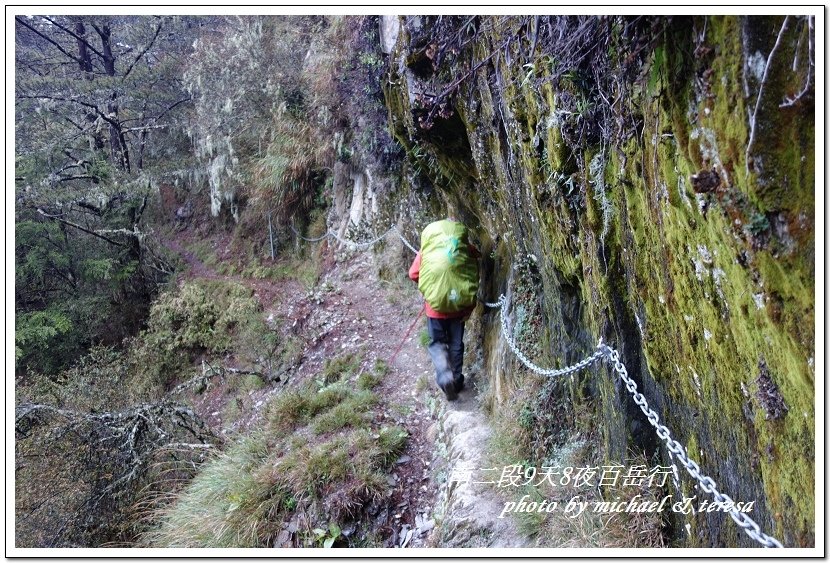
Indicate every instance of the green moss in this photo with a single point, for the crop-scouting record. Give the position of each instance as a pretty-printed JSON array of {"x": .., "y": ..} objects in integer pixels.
[{"x": 697, "y": 297}]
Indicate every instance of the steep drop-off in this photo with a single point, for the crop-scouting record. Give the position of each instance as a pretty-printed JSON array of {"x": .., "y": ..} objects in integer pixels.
[{"x": 648, "y": 181}]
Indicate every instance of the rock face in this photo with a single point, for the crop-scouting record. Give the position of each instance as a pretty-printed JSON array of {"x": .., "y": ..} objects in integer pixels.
[
  {"x": 573, "y": 147},
  {"x": 354, "y": 198},
  {"x": 390, "y": 29}
]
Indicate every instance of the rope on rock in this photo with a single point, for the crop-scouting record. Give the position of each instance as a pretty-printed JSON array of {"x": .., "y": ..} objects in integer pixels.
[{"x": 752, "y": 529}]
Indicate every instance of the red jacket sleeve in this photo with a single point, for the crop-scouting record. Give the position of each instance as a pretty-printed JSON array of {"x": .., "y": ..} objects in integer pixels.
[{"x": 415, "y": 268}]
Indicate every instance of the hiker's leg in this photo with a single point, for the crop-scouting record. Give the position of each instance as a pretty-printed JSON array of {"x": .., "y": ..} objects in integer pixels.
[
  {"x": 456, "y": 351},
  {"x": 438, "y": 339},
  {"x": 439, "y": 353},
  {"x": 437, "y": 334}
]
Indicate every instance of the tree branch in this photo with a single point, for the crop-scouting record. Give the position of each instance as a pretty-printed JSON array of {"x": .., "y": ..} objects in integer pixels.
[
  {"x": 79, "y": 227},
  {"x": 144, "y": 128},
  {"x": 114, "y": 122},
  {"x": 210, "y": 371},
  {"x": 77, "y": 177},
  {"x": 23, "y": 22},
  {"x": 95, "y": 209},
  {"x": 147, "y": 48},
  {"x": 75, "y": 35},
  {"x": 171, "y": 108},
  {"x": 60, "y": 99},
  {"x": 449, "y": 90}
]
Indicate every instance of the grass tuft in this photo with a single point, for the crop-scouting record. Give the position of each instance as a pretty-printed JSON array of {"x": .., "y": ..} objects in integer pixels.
[
  {"x": 340, "y": 368},
  {"x": 350, "y": 412},
  {"x": 320, "y": 456},
  {"x": 369, "y": 380}
]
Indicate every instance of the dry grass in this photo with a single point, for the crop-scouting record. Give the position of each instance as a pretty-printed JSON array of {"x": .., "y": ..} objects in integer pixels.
[
  {"x": 512, "y": 444},
  {"x": 320, "y": 457},
  {"x": 284, "y": 177},
  {"x": 597, "y": 529}
]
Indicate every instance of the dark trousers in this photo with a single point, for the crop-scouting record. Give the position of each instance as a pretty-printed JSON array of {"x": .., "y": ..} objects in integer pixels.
[{"x": 446, "y": 347}]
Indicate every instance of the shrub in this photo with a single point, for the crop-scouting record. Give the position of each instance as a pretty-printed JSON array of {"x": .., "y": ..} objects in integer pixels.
[{"x": 201, "y": 316}]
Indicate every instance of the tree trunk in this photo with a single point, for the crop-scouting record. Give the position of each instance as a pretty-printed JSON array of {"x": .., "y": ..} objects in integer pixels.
[
  {"x": 118, "y": 143},
  {"x": 85, "y": 63},
  {"x": 84, "y": 60}
]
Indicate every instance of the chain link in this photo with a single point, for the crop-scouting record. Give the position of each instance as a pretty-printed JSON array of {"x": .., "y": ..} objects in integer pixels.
[
  {"x": 706, "y": 483},
  {"x": 505, "y": 330},
  {"x": 403, "y": 240},
  {"x": 309, "y": 239},
  {"x": 495, "y": 305}
]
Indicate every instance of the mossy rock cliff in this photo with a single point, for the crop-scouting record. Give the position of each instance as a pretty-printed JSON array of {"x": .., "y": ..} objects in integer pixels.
[{"x": 629, "y": 165}]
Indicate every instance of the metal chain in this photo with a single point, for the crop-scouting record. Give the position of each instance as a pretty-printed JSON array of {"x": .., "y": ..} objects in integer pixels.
[
  {"x": 309, "y": 239},
  {"x": 366, "y": 244},
  {"x": 403, "y": 240},
  {"x": 360, "y": 244},
  {"x": 496, "y": 305},
  {"x": 505, "y": 330},
  {"x": 674, "y": 447},
  {"x": 706, "y": 483}
]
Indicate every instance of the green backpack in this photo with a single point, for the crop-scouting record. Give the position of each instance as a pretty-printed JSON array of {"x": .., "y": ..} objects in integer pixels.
[{"x": 448, "y": 277}]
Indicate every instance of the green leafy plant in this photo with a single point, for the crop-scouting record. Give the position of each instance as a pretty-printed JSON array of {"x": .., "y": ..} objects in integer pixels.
[
  {"x": 757, "y": 224},
  {"x": 201, "y": 316},
  {"x": 38, "y": 329},
  {"x": 327, "y": 537}
]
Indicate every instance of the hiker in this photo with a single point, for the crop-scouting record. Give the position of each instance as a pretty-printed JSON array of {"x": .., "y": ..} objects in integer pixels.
[{"x": 446, "y": 269}]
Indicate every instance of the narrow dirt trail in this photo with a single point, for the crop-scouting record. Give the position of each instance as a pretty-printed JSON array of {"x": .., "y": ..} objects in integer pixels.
[
  {"x": 351, "y": 310},
  {"x": 357, "y": 312}
]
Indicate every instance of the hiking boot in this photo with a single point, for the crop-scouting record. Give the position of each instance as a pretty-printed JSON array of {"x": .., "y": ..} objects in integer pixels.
[
  {"x": 449, "y": 391},
  {"x": 459, "y": 384},
  {"x": 447, "y": 384}
]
